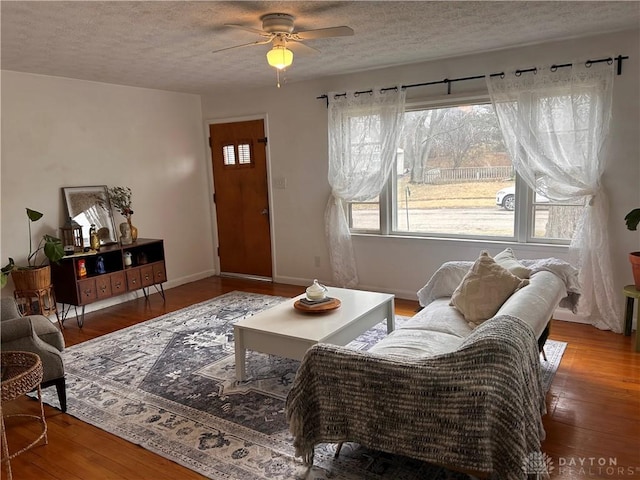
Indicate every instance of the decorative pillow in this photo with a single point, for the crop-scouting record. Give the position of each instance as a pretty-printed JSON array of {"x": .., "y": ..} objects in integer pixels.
[
  {"x": 507, "y": 259},
  {"x": 484, "y": 289}
]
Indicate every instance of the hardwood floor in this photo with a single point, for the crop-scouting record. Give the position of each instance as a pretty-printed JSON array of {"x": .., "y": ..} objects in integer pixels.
[{"x": 593, "y": 405}]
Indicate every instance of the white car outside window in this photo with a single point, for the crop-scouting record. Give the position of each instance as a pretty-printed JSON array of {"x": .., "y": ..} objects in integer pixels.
[{"x": 506, "y": 198}]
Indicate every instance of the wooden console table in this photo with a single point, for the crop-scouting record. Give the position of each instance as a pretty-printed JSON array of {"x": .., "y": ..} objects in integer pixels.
[{"x": 147, "y": 269}]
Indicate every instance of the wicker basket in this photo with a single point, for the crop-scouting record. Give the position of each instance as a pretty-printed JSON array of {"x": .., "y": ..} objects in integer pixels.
[
  {"x": 31, "y": 278},
  {"x": 21, "y": 372}
]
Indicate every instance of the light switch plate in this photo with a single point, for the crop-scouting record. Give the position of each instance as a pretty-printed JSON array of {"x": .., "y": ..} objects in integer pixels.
[{"x": 280, "y": 182}]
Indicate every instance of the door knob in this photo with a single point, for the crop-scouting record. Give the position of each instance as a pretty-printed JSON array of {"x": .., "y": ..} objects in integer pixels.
[{"x": 265, "y": 211}]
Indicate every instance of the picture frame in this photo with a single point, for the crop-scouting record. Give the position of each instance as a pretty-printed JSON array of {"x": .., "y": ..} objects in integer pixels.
[{"x": 88, "y": 206}]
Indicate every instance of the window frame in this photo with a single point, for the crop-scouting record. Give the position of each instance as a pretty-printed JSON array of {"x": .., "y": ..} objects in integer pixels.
[
  {"x": 238, "y": 157},
  {"x": 524, "y": 212}
]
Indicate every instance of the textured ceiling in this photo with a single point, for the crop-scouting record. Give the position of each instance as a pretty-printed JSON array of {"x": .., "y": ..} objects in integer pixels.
[{"x": 168, "y": 45}]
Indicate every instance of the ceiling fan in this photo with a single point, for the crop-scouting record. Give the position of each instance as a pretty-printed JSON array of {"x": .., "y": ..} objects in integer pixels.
[{"x": 278, "y": 29}]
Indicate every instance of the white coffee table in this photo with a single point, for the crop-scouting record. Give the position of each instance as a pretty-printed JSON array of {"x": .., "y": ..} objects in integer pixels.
[{"x": 284, "y": 331}]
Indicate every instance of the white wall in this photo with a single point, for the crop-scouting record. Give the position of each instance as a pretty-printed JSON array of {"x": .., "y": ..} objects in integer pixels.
[
  {"x": 298, "y": 152},
  {"x": 60, "y": 132}
]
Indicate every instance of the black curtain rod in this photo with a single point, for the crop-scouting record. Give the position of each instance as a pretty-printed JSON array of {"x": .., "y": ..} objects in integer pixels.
[{"x": 517, "y": 73}]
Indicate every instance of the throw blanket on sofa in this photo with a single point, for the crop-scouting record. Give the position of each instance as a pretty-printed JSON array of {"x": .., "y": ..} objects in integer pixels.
[{"x": 476, "y": 409}]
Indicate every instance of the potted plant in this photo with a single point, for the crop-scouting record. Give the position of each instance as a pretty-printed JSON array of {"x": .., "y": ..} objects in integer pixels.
[
  {"x": 35, "y": 275},
  {"x": 632, "y": 219}
]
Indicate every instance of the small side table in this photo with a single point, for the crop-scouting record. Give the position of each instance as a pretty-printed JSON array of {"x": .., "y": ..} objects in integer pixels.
[
  {"x": 631, "y": 292},
  {"x": 37, "y": 302},
  {"x": 32, "y": 302},
  {"x": 21, "y": 373}
]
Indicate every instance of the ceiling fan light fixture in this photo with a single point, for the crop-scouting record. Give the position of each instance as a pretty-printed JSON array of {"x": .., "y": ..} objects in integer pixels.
[{"x": 280, "y": 57}]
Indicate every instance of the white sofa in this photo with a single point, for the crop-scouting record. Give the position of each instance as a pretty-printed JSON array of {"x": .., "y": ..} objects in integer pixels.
[
  {"x": 437, "y": 388},
  {"x": 440, "y": 328}
]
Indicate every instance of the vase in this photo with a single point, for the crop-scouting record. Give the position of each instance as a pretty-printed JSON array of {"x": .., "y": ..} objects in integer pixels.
[{"x": 134, "y": 230}]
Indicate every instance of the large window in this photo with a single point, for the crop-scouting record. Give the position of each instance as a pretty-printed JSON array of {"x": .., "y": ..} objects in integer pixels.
[{"x": 454, "y": 178}]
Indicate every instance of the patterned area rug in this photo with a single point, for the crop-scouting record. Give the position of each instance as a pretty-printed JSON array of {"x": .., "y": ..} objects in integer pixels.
[{"x": 168, "y": 384}]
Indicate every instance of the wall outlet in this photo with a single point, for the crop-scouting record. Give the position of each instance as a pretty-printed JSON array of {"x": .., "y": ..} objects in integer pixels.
[{"x": 316, "y": 261}]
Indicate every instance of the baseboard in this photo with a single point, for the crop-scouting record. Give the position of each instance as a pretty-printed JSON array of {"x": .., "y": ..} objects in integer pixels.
[
  {"x": 297, "y": 281},
  {"x": 189, "y": 278},
  {"x": 406, "y": 295},
  {"x": 568, "y": 316}
]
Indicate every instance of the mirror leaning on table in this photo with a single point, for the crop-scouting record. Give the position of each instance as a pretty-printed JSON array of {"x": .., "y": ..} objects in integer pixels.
[{"x": 91, "y": 206}]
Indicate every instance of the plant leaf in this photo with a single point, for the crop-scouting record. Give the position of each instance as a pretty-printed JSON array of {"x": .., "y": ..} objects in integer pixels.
[
  {"x": 8, "y": 267},
  {"x": 632, "y": 219},
  {"x": 53, "y": 248},
  {"x": 33, "y": 215}
]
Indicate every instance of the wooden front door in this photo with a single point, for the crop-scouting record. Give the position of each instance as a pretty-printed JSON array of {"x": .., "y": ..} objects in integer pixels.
[{"x": 238, "y": 155}]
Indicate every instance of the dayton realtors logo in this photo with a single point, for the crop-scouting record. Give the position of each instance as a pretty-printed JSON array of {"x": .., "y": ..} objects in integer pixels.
[
  {"x": 600, "y": 467},
  {"x": 540, "y": 465}
]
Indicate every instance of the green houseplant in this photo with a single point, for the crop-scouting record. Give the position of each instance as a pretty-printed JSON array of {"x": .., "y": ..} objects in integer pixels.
[
  {"x": 51, "y": 247},
  {"x": 632, "y": 219}
]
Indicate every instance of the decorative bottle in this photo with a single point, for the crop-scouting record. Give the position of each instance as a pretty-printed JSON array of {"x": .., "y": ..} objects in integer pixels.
[
  {"x": 134, "y": 229},
  {"x": 94, "y": 240},
  {"x": 82, "y": 268}
]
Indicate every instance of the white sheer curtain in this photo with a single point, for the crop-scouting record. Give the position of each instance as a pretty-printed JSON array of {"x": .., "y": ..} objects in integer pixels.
[
  {"x": 364, "y": 130},
  {"x": 555, "y": 124}
]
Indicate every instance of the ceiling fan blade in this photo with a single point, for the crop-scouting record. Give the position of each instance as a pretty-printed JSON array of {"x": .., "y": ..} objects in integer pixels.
[
  {"x": 301, "y": 49},
  {"x": 259, "y": 42},
  {"x": 248, "y": 29},
  {"x": 325, "y": 33}
]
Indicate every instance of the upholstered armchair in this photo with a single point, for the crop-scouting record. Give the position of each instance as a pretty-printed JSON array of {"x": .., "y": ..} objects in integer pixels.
[{"x": 35, "y": 333}]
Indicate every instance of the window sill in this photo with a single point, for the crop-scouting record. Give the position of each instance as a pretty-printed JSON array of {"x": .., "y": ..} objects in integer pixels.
[{"x": 561, "y": 247}]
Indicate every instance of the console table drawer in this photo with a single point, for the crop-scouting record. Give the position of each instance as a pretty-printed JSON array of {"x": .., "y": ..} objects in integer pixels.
[
  {"x": 103, "y": 286},
  {"x": 118, "y": 283},
  {"x": 159, "y": 273},
  {"x": 134, "y": 280},
  {"x": 87, "y": 290},
  {"x": 146, "y": 274}
]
